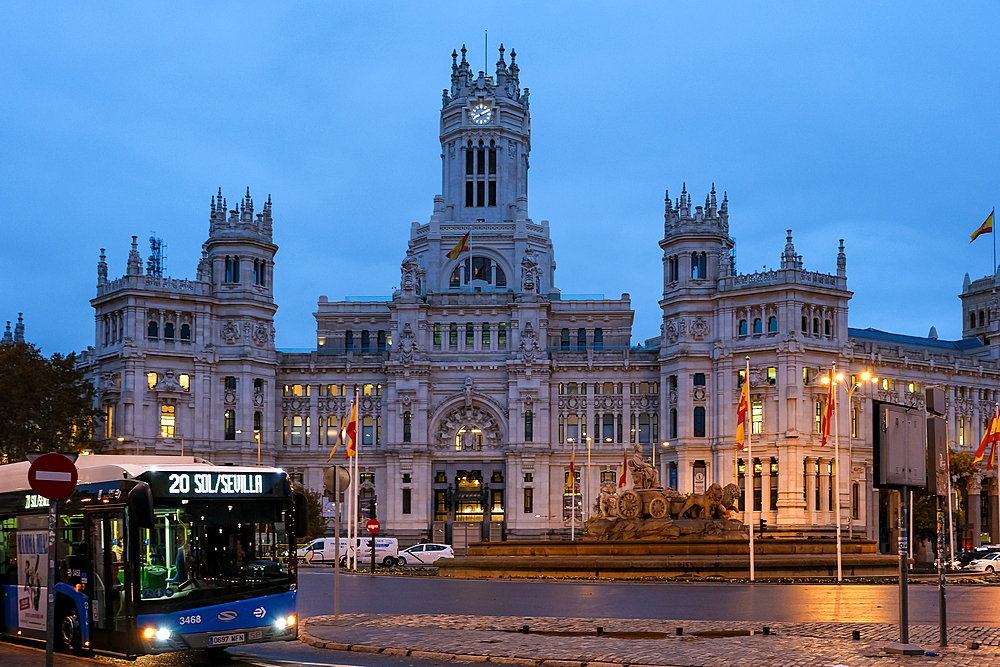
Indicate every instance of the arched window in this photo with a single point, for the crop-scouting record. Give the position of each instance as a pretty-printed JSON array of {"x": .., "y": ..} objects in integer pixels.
[
  {"x": 805, "y": 325},
  {"x": 598, "y": 339},
  {"x": 816, "y": 325},
  {"x": 827, "y": 328},
  {"x": 348, "y": 340},
  {"x": 772, "y": 325},
  {"x": 581, "y": 339},
  {"x": 365, "y": 341},
  {"x": 501, "y": 276},
  {"x": 699, "y": 422},
  {"x": 972, "y": 320},
  {"x": 694, "y": 266},
  {"x": 153, "y": 330},
  {"x": 982, "y": 319},
  {"x": 168, "y": 330},
  {"x": 757, "y": 326},
  {"x": 381, "y": 341},
  {"x": 185, "y": 332},
  {"x": 564, "y": 342},
  {"x": 456, "y": 277},
  {"x": 743, "y": 327}
]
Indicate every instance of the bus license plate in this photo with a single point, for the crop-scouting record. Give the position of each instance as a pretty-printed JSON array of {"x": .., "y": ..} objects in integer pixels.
[{"x": 220, "y": 640}]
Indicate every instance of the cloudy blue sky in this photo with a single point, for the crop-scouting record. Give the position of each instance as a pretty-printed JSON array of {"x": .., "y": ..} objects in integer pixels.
[{"x": 871, "y": 122}]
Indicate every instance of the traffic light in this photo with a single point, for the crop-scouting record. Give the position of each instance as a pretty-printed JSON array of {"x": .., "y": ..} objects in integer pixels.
[{"x": 763, "y": 526}]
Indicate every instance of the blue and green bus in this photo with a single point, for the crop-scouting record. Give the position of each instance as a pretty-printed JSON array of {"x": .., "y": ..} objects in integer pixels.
[{"x": 153, "y": 554}]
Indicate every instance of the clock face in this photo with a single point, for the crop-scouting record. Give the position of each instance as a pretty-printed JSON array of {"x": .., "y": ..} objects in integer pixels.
[{"x": 480, "y": 114}]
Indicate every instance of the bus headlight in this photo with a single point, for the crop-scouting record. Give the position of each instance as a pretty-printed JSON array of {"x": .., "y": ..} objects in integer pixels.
[
  {"x": 281, "y": 624},
  {"x": 163, "y": 634}
]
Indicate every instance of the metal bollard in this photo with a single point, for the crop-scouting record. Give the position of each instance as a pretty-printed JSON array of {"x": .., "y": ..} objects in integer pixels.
[
  {"x": 524, "y": 629},
  {"x": 600, "y": 631},
  {"x": 767, "y": 630},
  {"x": 856, "y": 635},
  {"x": 680, "y": 631}
]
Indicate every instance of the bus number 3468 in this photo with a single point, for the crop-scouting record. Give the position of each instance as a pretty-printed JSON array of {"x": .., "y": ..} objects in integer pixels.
[{"x": 188, "y": 620}]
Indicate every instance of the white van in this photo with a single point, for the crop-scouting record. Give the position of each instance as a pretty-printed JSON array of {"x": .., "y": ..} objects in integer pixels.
[
  {"x": 322, "y": 550},
  {"x": 386, "y": 551}
]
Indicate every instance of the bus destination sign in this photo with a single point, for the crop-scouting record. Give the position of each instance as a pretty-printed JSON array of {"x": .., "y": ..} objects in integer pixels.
[{"x": 226, "y": 484}]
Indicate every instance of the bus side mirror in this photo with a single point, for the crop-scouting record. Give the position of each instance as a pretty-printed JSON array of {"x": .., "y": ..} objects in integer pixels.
[
  {"x": 301, "y": 515},
  {"x": 139, "y": 498}
]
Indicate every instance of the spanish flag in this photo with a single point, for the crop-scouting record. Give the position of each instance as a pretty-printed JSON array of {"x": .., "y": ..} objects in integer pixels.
[
  {"x": 985, "y": 228},
  {"x": 828, "y": 413},
  {"x": 624, "y": 476},
  {"x": 460, "y": 247},
  {"x": 989, "y": 438},
  {"x": 348, "y": 433},
  {"x": 741, "y": 414}
]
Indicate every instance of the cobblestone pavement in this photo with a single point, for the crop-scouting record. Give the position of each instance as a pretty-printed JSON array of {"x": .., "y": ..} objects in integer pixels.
[{"x": 496, "y": 639}]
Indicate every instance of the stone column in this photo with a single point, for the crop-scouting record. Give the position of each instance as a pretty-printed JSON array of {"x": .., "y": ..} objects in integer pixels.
[
  {"x": 811, "y": 508},
  {"x": 992, "y": 499},
  {"x": 765, "y": 487},
  {"x": 974, "y": 510},
  {"x": 823, "y": 508}
]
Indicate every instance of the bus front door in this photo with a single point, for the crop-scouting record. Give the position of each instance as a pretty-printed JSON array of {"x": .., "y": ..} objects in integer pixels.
[{"x": 109, "y": 582}]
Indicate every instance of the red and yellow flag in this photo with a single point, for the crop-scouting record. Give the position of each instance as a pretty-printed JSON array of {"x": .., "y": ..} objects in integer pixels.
[
  {"x": 828, "y": 412},
  {"x": 624, "y": 475},
  {"x": 741, "y": 414},
  {"x": 985, "y": 228},
  {"x": 460, "y": 247},
  {"x": 571, "y": 482},
  {"x": 989, "y": 440},
  {"x": 348, "y": 433}
]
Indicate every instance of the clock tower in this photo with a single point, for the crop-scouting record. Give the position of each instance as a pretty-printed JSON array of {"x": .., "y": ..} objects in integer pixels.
[{"x": 485, "y": 140}]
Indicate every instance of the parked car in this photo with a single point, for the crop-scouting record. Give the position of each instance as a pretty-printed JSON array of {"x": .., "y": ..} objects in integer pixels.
[
  {"x": 321, "y": 550},
  {"x": 963, "y": 559},
  {"x": 424, "y": 554},
  {"x": 386, "y": 551},
  {"x": 988, "y": 563}
]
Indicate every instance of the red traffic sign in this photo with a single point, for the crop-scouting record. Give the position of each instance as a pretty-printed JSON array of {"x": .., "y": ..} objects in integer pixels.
[
  {"x": 373, "y": 525},
  {"x": 52, "y": 476}
]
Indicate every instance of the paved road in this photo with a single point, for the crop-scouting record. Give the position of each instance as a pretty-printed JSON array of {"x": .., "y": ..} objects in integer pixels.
[{"x": 362, "y": 593}]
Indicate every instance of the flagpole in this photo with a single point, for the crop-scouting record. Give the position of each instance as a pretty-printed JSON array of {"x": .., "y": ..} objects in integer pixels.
[
  {"x": 748, "y": 469},
  {"x": 836, "y": 469}
]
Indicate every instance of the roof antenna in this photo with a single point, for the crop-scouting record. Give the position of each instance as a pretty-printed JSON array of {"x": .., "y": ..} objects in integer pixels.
[{"x": 486, "y": 53}]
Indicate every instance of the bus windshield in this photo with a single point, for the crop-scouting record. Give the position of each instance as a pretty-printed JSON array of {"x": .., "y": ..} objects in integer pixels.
[{"x": 203, "y": 549}]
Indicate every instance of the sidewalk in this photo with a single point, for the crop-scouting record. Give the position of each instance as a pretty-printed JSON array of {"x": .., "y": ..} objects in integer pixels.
[{"x": 569, "y": 642}]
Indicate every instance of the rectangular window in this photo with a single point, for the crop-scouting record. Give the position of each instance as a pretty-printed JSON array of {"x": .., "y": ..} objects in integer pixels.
[
  {"x": 109, "y": 420},
  {"x": 502, "y": 335},
  {"x": 496, "y": 503},
  {"x": 486, "y": 335},
  {"x": 470, "y": 336},
  {"x": 644, "y": 427},
  {"x": 367, "y": 431},
  {"x": 184, "y": 380},
  {"x": 854, "y": 422},
  {"x": 598, "y": 339},
  {"x": 481, "y": 193},
  {"x": 819, "y": 417},
  {"x": 608, "y": 432},
  {"x": 528, "y": 500},
  {"x": 774, "y": 484},
  {"x": 167, "y": 421},
  {"x": 437, "y": 335},
  {"x": 529, "y": 426},
  {"x": 297, "y": 430},
  {"x": 609, "y": 476},
  {"x": 699, "y": 379},
  {"x": 406, "y": 427},
  {"x": 493, "y": 191},
  {"x": 406, "y": 501},
  {"x": 469, "y": 190},
  {"x": 331, "y": 429},
  {"x": 230, "y": 382},
  {"x": 308, "y": 431},
  {"x": 772, "y": 375},
  {"x": 757, "y": 417},
  {"x": 453, "y": 336},
  {"x": 230, "y": 424},
  {"x": 581, "y": 339},
  {"x": 441, "y": 505}
]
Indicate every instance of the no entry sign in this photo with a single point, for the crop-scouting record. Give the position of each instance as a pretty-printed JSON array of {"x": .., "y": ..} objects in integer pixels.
[
  {"x": 372, "y": 526},
  {"x": 52, "y": 476}
]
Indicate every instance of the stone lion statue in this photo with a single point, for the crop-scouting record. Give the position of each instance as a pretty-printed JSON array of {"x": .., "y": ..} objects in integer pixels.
[
  {"x": 710, "y": 503},
  {"x": 730, "y": 494},
  {"x": 607, "y": 500}
]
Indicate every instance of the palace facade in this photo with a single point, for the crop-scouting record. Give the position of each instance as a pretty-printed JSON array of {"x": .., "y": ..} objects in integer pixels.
[{"x": 478, "y": 379}]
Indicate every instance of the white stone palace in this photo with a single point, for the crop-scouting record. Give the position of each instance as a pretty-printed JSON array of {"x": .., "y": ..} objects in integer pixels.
[{"x": 478, "y": 377}]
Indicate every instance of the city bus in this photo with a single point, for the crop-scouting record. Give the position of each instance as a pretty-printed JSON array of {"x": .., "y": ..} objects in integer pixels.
[{"x": 153, "y": 554}]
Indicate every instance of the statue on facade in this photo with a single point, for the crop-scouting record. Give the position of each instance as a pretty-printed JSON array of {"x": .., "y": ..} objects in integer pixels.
[{"x": 530, "y": 273}]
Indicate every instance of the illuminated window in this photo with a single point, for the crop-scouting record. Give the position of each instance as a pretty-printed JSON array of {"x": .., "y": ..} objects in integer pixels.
[
  {"x": 167, "y": 421},
  {"x": 230, "y": 424},
  {"x": 151, "y": 379},
  {"x": 297, "y": 430},
  {"x": 184, "y": 380},
  {"x": 772, "y": 375},
  {"x": 756, "y": 417},
  {"x": 331, "y": 429},
  {"x": 528, "y": 500},
  {"x": 819, "y": 417}
]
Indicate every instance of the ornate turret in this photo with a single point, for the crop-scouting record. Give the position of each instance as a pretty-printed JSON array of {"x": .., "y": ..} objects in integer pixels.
[
  {"x": 841, "y": 261},
  {"x": 102, "y": 269},
  {"x": 19, "y": 329},
  {"x": 134, "y": 260},
  {"x": 7, "y": 338}
]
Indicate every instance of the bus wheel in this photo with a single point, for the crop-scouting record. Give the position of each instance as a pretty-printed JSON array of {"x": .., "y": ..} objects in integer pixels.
[
  {"x": 68, "y": 630},
  {"x": 217, "y": 655}
]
